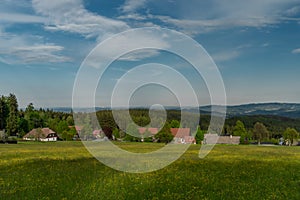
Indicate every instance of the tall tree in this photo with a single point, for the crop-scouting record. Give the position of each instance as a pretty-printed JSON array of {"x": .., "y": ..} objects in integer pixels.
[
  {"x": 260, "y": 132},
  {"x": 240, "y": 130},
  {"x": 3, "y": 112},
  {"x": 13, "y": 116},
  {"x": 164, "y": 135},
  {"x": 290, "y": 134},
  {"x": 23, "y": 126},
  {"x": 199, "y": 135},
  {"x": 175, "y": 124}
]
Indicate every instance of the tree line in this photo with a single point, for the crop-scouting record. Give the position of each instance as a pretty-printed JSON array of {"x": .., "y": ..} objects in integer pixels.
[
  {"x": 17, "y": 122},
  {"x": 116, "y": 125}
]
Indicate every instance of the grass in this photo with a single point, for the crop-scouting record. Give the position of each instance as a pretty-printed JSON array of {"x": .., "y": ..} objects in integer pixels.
[{"x": 65, "y": 170}]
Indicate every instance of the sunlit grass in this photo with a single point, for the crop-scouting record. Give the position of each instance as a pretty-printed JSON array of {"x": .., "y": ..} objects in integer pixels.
[{"x": 66, "y": 170}]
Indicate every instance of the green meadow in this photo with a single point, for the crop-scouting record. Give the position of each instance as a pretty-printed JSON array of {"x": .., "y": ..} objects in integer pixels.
[{"x": 66, "y": 170}]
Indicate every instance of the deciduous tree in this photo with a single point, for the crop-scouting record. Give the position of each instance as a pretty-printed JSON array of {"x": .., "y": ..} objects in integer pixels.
[
  {"x": 199, "y": 135},
  {"x": 164, "y": 135},
  {"x": 260, "y": 132},
  {"x": 240, "y": 130},
  {"x": 290, "y": 134}
]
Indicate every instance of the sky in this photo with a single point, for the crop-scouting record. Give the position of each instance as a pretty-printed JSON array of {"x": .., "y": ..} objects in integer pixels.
[{"x": 254, "y": 44}]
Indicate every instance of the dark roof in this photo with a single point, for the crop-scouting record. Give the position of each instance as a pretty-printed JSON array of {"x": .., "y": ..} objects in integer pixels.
[{"x": 34, "y": 133}]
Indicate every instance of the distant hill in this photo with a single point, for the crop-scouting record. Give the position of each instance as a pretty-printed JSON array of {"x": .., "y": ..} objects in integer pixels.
[{"x": 290, "y": 110}]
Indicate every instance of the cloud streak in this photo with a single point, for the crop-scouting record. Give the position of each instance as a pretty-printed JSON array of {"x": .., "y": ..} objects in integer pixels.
[
  {"x": 21, "y": 18},
  {"x": 296, "y": 51},
  {"x": 198, "y": 17},
  {"x": 71, "y": 16},
  {"x": 22, "y": 49},
  {"x": 40, "y": 53},
  {"x": 132, "y": 5}
]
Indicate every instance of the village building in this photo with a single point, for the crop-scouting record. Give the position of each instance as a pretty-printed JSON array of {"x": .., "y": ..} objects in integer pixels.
[
  {"x": 41, "y": 134},
  {"x": 215, "y": 139},
  {"x": 182, "y": 136}
]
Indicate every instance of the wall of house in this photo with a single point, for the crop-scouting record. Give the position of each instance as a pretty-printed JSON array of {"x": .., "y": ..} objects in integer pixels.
[
  {"x": 52, "y": 139},
  {"x": 215, "y": 139},
  {"x": 28, "y": 139}
]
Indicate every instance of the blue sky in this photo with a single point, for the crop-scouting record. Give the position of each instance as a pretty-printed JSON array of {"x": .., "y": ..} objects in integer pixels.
[{"x": 255, "y": 44}]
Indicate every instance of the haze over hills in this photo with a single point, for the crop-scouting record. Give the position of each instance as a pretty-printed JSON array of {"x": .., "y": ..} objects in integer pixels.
[{"x": 291, "y": 110}]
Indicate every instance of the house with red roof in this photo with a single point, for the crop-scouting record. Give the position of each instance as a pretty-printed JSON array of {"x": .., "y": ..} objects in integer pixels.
[
  {"x": 143, "y": 131},
  {"x": 182, "y": 136},
  {"x": 152, "y": 131}
]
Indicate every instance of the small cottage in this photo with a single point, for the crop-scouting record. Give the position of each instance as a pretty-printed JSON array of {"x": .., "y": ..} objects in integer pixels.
[{"x": 41, "y": 134}]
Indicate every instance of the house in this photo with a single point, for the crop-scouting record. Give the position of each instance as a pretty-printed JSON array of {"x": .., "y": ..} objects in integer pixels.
[
  {"x": 182, "y": 136},
  {"x": 78, "y": 132},
  {"x": 98, "y": 134},
  {"x": 41, "y": 134},
  {"x": 215, "y": 139},
  {"x": 152, "y": 131}
]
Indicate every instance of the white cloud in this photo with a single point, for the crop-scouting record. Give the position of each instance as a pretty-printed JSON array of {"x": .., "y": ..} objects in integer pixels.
[
  {"x": 40, "y": 53},
  {"x": 140, "y": 54},
  {"x": 296, "y": 51},
  {"x": 132, "y": 5},
  {"x": 205, "y": 16},
  {"x": 293, "y": 11},
  {"x": 265, "y": 45},
  {"x": 71, "y": 16},
  {"x": 231, "y": 54},
  {"x": 196, "y": 26},
  {"x": 225, "y": 56},
  {"x": 21, "y": 18},
  {"x": 137, "y": 45},
  {"x": 28, "y": 49},
  {"x": 133, "y": 16}
]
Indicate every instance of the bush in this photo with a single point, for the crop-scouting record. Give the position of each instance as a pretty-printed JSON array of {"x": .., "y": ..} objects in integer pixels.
[
  {"x": 274, "y": 141},
  {"x": 9, "y": 140}
]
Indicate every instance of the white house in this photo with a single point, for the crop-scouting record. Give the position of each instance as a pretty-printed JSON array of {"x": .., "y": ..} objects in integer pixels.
[{"x": 41, "y": 134}]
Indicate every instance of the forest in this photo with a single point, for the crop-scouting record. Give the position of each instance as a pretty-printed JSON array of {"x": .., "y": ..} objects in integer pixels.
[{"x": 15, "y": 122}]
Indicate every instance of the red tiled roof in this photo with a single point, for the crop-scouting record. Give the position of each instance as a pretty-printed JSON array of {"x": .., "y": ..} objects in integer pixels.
[
  {"x": 153, "y": 131},
  {"x": 180, "y": 132}
]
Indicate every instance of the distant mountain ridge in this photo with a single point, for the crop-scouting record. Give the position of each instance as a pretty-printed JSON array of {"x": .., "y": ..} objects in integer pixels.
[{"x": 290, "y": 110}]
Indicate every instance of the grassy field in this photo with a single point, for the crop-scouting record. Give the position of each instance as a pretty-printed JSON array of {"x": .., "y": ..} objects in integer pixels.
[{"x": 65, "y": 170}]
